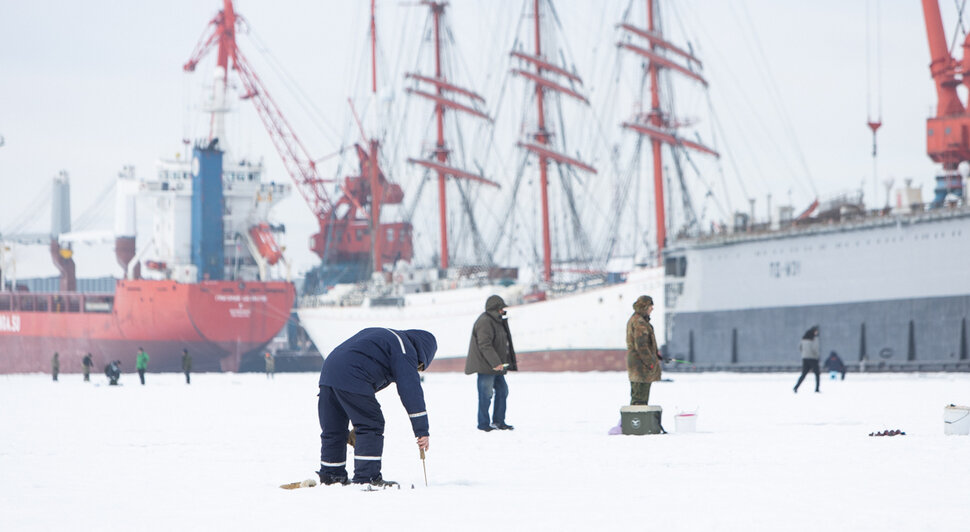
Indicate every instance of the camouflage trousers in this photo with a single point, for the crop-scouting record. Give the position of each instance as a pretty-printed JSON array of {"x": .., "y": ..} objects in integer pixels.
[{"x": 639, "y": 393}]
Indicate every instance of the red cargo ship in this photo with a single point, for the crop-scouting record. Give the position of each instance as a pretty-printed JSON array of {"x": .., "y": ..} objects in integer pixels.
[{"x": 219, "y": 322}]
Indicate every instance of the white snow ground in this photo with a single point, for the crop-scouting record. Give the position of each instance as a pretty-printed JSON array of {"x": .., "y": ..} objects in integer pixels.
[{"x": 210, "y": 456}]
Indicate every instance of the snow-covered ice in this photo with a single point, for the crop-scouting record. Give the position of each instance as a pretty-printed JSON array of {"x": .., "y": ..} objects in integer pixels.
[{"x": 211, "y": 455}]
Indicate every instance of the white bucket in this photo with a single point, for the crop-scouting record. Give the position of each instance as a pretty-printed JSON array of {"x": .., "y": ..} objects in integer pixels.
[
  {"x": 956, "y": 420},
  {"x": 686, "y": 422}
]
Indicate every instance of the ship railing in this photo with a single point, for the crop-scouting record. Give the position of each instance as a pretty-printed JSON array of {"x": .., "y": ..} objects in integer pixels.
[
  {"x": 914, "y": 366},
  {"x": 66, "y": 302},
  {"x": 849, "y": 216}
]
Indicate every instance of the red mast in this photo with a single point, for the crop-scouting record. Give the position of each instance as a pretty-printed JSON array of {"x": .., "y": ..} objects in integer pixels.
[
  {"x": 542, "y": 135},
  {"x": 441, "y": 101},
  {"x": 657, "y": 122},
  {"x": 659, "y": 126}
]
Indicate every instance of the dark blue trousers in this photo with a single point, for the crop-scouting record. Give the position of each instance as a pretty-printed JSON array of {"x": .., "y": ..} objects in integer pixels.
[
  {"x": 489, "y": 385},
  {"x": 335, "y": 409}
]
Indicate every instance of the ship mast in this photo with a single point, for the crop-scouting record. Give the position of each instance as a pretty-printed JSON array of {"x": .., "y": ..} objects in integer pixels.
[
  {"x": 376, "y": 190},
  {"x": 656, "y": 124},
  {"x": 441, "y": 101},
  {"x": 226, "y": 23},
  {"x": 541, "y": 148}
]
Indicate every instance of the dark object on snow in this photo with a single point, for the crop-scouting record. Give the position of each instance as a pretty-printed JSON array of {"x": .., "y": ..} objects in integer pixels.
[
  {"x": 113, "y": 372},
  {"x": 893, "y": 432},
  {"x": 641, "y": 419},
  {"x": 378, "y": 483}
]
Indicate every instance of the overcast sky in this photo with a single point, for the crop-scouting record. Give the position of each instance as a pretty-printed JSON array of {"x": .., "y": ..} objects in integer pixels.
[{"x": 89, "y": 87}]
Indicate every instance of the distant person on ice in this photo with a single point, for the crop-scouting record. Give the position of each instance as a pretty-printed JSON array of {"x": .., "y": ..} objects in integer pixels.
[
  {"x": 352, "y": 374},
  {"x": 834, "y": 365},
  {"x": 642, "y": 355},
  {"x": 491, "y": 355},
  {"x": 86, "y": 364},
  {"x": 141, "y": 364},
  {"x": 186, "y": 365},
  {"x": 809, "y": 349},
  {"x": 270, "y": 362},
  {"x": 55, "y": 365},
  {"x": 113, "y": 372}
]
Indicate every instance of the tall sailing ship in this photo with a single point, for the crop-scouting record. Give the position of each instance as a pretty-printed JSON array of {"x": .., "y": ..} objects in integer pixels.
[{"x": 569, "y": 315}]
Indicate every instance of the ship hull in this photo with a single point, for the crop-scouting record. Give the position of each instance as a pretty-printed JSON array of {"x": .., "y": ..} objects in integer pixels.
[
  {"x": 219, "y": 322},
  {"x": 895, "y": 331},
  {"x": 892, "y": 290},
  {"x": 580, "y": 331}
]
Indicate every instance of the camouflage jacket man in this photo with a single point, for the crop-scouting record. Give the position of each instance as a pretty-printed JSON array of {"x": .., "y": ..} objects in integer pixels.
[{"x": 642, "y": 356}]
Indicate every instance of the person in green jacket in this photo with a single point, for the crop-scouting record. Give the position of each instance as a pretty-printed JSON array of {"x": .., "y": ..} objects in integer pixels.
[
  {"x": 186, "y": 364},
  {"x": 141, "y": 364}
]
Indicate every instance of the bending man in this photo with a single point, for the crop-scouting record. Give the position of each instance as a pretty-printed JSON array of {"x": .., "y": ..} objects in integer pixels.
[{"x": 352, "y": 374}]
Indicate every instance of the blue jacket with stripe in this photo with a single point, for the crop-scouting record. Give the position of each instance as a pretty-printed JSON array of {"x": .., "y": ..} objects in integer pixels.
[{"x": 372, "y": 359}]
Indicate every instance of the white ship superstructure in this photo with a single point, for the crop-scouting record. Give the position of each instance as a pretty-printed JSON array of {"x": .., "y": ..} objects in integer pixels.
[{"x": 247, "y": 201}]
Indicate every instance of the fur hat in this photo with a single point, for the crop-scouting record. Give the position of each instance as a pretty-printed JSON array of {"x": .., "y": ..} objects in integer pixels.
[{"x": 642, "y": 303}]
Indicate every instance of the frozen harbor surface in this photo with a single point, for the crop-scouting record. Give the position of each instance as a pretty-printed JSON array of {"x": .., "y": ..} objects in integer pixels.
[{"x": 211, "y": 455}]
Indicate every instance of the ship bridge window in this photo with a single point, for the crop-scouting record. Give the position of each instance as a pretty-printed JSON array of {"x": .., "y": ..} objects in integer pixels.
[
  {"x": 5, "y": 302},
  {"x": 675, "y": 266}
]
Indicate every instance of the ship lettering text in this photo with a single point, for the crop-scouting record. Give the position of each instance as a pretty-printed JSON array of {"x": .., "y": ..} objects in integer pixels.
[
  {"x": 240, "y": 312},
  {"x": 10, "y": 323},
  {"x": 784, "y": 269},
  {"x": 236, "y": 298}
]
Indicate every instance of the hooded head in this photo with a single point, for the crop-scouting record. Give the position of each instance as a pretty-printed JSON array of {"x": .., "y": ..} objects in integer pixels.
[
  {"x": 642, "y": 303},
  {"x": 425, "y": 344},
  {"x": 495, "y": 303}
]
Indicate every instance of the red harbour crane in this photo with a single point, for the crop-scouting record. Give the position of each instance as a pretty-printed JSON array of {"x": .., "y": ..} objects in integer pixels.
[
  {"x": 346, "y": 226},
  {"x": 947, "y": 133}
]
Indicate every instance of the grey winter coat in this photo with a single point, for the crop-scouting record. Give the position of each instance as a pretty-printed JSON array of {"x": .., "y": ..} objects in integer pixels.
[
  {"x": 809, "y": 348},
  {"x": 490, "y": 345}
]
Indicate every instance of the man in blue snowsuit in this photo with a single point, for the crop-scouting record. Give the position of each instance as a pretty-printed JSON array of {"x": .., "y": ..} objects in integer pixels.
[{"x": 351, "y": 376}]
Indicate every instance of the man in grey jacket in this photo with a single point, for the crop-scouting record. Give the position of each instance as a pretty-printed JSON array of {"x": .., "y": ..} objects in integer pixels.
[
  {"x": 491, "y": 355},
  {"x": 809, "y": 349}
]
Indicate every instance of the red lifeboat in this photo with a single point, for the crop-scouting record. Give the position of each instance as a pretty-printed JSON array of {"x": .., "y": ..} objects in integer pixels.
[{"x": 265, "y": 243}]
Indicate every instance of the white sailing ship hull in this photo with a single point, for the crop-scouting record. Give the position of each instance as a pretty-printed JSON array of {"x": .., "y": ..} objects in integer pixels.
[{"x": 582, "y": 330}]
